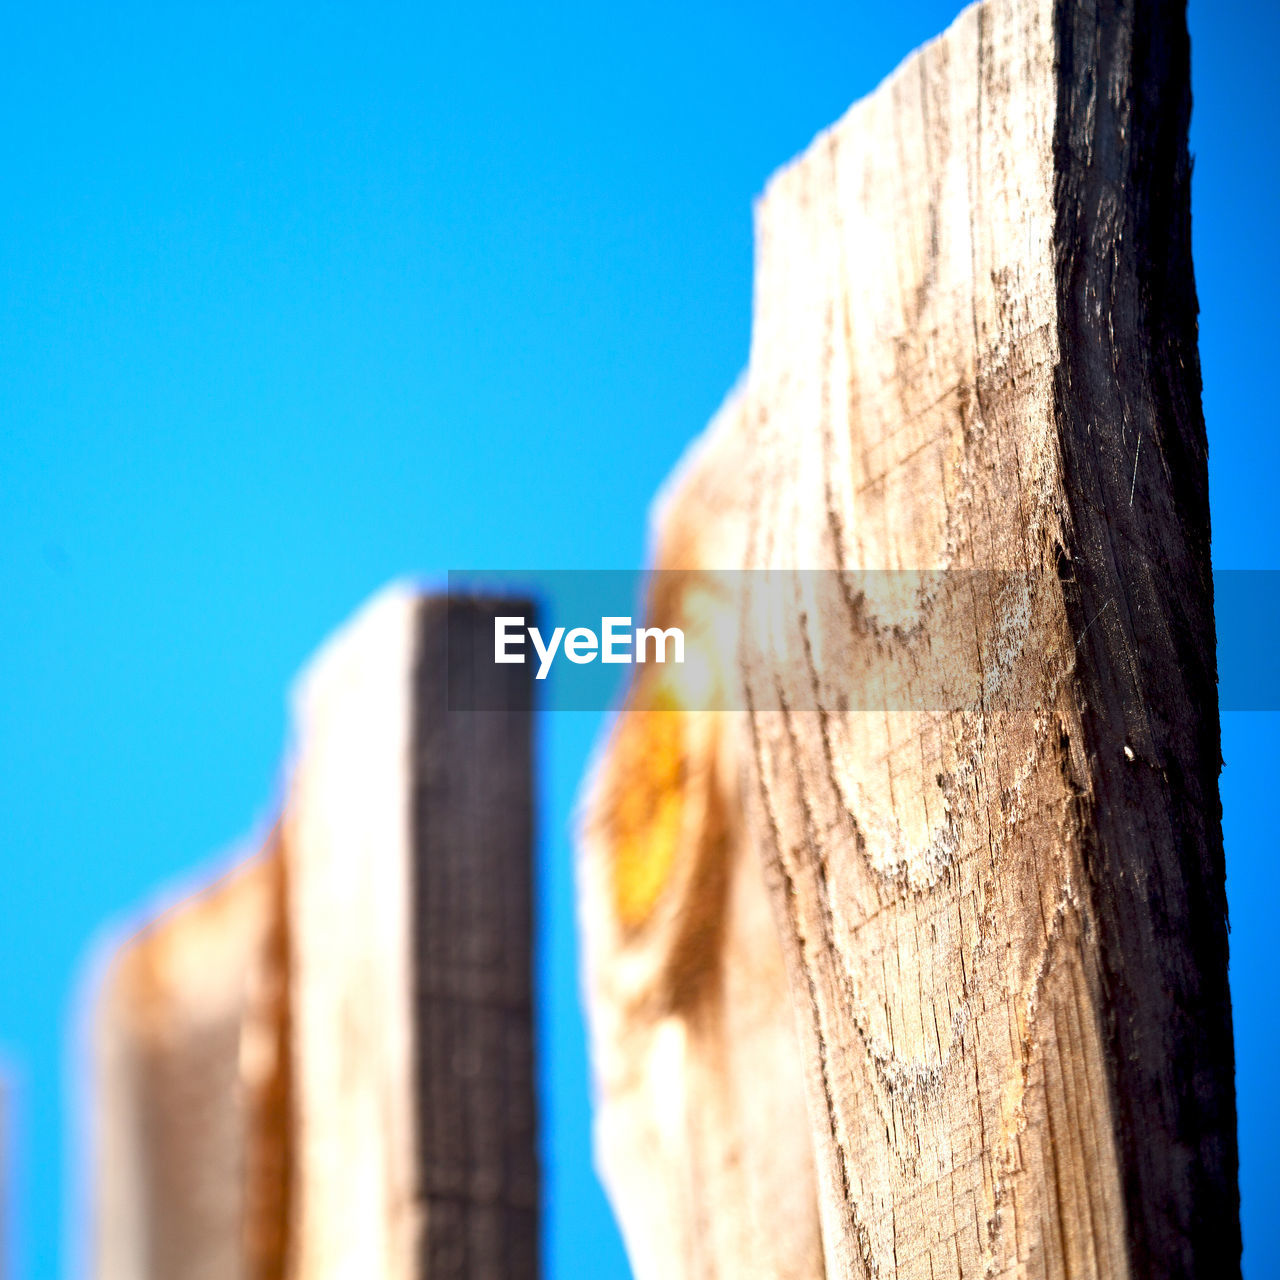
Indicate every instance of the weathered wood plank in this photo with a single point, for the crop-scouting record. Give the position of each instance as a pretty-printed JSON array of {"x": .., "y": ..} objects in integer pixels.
[
  {"x": 975, "y": 349},
  {"x": 973, "y": 354}
]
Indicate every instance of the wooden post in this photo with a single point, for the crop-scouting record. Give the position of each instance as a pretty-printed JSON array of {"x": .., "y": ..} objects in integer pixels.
[
  {"x": 323, "y": 1066},
  {"x": 1004, "y": 920}
]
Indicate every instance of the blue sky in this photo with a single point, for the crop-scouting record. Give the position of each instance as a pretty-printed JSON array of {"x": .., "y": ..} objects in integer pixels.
[{"x": 295, "y": 299}]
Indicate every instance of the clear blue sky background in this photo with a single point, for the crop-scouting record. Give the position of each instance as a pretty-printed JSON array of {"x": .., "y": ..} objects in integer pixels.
[{"x": 297, "y": 298}]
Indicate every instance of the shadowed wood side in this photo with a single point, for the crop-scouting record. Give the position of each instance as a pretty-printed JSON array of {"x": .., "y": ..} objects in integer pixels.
[
  {"x": 472, "y": 887},
  {"x": 1138, "y": 518}
]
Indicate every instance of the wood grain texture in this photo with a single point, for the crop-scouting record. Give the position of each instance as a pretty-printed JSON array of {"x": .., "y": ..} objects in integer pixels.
[
  {"x": 975, "y": 349},
  {"x": 1003, "y": 918}
]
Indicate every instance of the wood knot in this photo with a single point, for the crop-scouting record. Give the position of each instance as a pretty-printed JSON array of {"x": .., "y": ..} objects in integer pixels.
[{"x": 646, "y": 803}]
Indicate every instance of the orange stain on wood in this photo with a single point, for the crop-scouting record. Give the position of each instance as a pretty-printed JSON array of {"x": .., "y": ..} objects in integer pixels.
[{"x": 647, "y": 777}]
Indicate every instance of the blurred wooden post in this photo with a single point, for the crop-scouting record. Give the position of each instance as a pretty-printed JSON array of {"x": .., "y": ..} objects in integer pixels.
[
  {"x": 409, "y": 868},
  {"x": 323, "y": 1066},
  {"x": 190, "y": 1038},
  {"x": 973, "y": 352}
]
